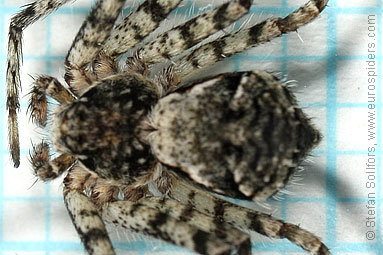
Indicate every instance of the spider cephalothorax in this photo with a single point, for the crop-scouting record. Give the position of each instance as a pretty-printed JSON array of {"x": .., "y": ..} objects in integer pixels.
[
  {"x": 126, "y": 133},
  {"x": 105, "y": 127}
]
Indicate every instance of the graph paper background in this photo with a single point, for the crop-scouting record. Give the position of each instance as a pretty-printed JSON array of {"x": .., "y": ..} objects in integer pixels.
[{"x": 328, "y": 60}]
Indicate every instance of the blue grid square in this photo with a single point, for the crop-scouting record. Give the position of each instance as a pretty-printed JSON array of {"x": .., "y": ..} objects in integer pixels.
[
  {"x": 60, "y": 228},
  {"x": 24, "y": 179},
  {"x": 351, "y": 228},
  {"x": 350, "y": 84},
  {"x": 313, "y": 183},
  {"x": 313, "y": 219},
  {"x": 351, "y": 186},
  {"x": 300, "y": 43},
  {"x": 22, "y": 227},
  {"x": 346, "y": 138},
  {"x": 61, "y": 38},
  {"x": 313, "y": 90},
  {"x": 352, "y": 45}
]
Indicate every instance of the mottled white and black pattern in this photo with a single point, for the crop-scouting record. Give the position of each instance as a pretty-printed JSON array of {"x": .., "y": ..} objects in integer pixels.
[
  {"x": 136, "y": 26},
  {"x": 123, "y": 133},
  {"x": 102, "y": 128},
  {"x": 19, "y": 22},
  {"x": 185, "y": 36},
  {"x": 204, "y": 201},
  {"x": 150, "y": 220},
  {"x": 93, "y": 32},
  {"x": 241, "y": 40},
  {"x": 242, "y": 133},
  {"x": 88, "y": 223}
]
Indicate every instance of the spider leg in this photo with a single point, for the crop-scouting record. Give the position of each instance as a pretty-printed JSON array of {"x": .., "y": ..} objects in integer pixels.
[
  {"x": 104, "y": 192},
  {"x": 79, "y": 79},
  {"x": 88, "y": 223},
  {"x": 31, "y": 13},
  {"x": 45, "y": 168},
  {"x": 185, "y": 36},
  {"x": 230, "y": 44},
  {"x": 187, "y": 213},
  {"x": 44, "y": 85},
  {"x": 92, "y": 34},
  {"x": 190, "y": 194},
  {"x": 136, "y": 26},
  {"x": 142, "y": 218}
]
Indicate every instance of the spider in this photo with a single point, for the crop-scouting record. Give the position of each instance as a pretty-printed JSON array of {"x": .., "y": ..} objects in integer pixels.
[{"x": 124, "y": 134}]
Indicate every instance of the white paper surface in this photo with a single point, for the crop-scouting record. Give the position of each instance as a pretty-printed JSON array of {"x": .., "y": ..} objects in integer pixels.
[{"x": 328, "y": 59}]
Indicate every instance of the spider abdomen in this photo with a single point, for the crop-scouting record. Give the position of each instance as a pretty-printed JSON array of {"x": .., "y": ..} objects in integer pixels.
[
  {"x": 238, "y": 133},
  {"x": 102, "y": 128}
]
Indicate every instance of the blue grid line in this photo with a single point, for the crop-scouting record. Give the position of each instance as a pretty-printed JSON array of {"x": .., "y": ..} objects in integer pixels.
[
  {"x": 331, "y": 126},
  {"x": 2, "y": 124},
  {"x": 379, "y": 122}
]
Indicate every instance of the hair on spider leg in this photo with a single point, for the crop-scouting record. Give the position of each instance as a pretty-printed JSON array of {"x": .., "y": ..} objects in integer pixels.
[
  {"x": 285, "y": 191},
  {"x": 284, "y": 79},
  {"x": 247, "y": 22},
  {"x": 300, "y": 38},
  {"x": 263, "y": 204},
  {"x": 278, "y": 197},
  {"x": 123, "y": 236},
  {"x": 191, "y": 9},
  {"x": 290, "y": 83},
  {"x": 309, "y": 159},
  {"x": 205, "y": 8},
  {"x": 296, "y": 178},
  {"x": 33, "y": 184},
  {"x": 297, "y": 182},
  {"x": 31, "y": 161}
]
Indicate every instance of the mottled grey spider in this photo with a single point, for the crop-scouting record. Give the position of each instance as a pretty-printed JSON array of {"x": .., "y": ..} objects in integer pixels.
[{"x": 122, "y": 135}]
